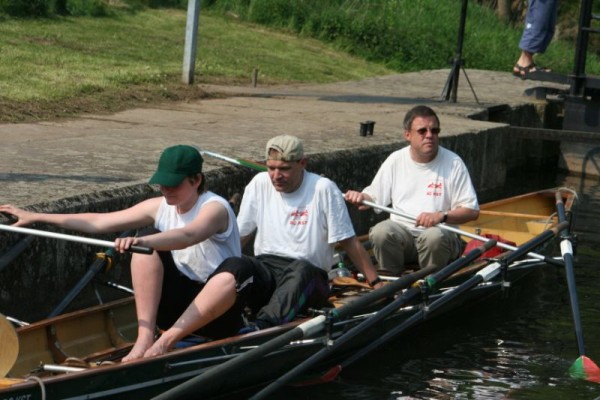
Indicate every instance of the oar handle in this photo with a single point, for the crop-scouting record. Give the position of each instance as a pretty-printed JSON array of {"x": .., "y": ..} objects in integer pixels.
[
  {"x": 141, "y": 250},
  {"x": 72, "y": 238}
]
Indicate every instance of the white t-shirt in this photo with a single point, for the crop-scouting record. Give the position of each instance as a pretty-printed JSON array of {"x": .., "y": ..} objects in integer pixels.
[
  {"x": 412, "y": 188},
  {"x": 304, "y": 224},
  {"x": 197, "y": 262}
]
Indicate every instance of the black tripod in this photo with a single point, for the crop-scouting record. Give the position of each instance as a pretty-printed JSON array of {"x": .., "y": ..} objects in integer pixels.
[{"x": 451, "y": 87}]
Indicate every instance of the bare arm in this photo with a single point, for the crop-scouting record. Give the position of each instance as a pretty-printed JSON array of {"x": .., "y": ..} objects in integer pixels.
[
  {"x": 139, "y": 215},
  {"x": 457, "y": 216},
  {"x": 213, "y": 218},
  {"x": 359, "y": 257}
]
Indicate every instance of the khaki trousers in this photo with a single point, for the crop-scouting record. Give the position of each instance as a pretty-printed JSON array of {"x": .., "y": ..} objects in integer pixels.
[{"x": 394, "y": 246}]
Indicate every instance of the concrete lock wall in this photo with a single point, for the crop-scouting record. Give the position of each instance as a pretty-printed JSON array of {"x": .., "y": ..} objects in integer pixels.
[{"x": 36, "y": 281}]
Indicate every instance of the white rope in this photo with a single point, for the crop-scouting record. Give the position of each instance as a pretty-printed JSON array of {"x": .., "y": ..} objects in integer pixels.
[{"x": 41, "y": 383}]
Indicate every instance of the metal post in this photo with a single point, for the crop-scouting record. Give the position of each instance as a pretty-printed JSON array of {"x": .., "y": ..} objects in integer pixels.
[
  {"x": 578, "y": 82},
  {"x": 191, "y": 41},
  {"x": 449, "y": 93}
]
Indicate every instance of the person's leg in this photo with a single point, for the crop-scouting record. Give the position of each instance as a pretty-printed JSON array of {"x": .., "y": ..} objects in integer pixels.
[
  {"x": 300, "y": 285},
  {"x": 213, "y": 301},
  {"x": 254, "y": 286},
  {"x": 437, "y": 247},
  {"x": 393, "y": 246},
  {"x": 147, "y": 279},
  {"x": 540, "y": 23}
]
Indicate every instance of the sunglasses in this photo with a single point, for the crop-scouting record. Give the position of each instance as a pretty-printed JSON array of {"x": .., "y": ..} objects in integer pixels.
[{"x": 423, "y": 131}]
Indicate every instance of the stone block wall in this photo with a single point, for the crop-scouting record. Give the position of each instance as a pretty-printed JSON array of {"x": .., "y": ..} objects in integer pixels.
[{"x": 39, "y": 278}]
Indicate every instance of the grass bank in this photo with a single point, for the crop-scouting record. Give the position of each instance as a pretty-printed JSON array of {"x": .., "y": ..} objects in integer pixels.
[
  {"x": 66, "y": 65},
  {"x": 62, "y": 66}
]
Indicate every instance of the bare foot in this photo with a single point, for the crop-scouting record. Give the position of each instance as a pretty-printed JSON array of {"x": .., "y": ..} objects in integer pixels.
[
  {"x": 159, "y": 347},
  {"x": 138, "y": 350}
]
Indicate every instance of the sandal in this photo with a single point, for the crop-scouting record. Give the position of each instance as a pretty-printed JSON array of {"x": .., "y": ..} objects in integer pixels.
[{"x": 522, "y": 72}]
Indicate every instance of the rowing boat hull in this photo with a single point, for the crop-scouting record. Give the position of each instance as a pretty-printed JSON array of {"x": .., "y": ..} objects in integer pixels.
[
  {"x": 147, "y": 378},
  {"x": 92, "y": 338}
]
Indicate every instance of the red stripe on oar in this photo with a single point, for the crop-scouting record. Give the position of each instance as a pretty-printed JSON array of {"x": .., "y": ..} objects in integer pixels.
[
  {"x": 324, "y": 378},
  {"x": 585, "y": 368}
]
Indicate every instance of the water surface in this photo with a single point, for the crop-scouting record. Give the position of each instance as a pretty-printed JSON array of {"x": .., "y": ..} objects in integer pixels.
[{"x": 515, "y": 348}]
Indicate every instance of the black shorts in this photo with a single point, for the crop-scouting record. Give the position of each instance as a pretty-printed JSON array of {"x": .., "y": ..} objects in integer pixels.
[{"x": 178, "y": 292}]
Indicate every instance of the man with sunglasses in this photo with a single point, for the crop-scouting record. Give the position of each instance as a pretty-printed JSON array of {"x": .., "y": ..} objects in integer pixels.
[{"x": 428, "y": 182}]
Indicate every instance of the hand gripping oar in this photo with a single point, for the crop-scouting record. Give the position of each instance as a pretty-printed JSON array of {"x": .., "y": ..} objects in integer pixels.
[
  {"x": 71, "y": 238},
  {"x": 450, "y": 228},
  {"x": 316, "y": 324},
  {"x": 583, "y": 367},
  {"x": 341, "y": 313},
  {"x": 9, "y": 346}
]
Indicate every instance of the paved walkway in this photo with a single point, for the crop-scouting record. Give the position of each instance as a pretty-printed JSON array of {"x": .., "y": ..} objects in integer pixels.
[{"x": 48, "y": 161}]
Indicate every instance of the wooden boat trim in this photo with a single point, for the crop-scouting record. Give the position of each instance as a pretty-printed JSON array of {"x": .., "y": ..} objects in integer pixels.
[{"x": 514, "y": 215}]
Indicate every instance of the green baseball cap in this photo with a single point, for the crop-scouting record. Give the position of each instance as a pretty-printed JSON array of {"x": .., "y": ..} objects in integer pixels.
[{"x": 175, "y": 164}]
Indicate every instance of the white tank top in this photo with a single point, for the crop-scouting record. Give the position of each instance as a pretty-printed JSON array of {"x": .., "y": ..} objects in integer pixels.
[{"x": 197, "y": 262}]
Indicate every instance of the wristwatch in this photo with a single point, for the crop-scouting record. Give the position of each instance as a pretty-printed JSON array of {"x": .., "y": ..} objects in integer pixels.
[{"x": 445, "y": 217}]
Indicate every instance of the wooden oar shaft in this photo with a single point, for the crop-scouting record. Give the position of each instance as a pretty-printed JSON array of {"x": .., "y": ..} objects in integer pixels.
[{"x": 71, "y": 238}]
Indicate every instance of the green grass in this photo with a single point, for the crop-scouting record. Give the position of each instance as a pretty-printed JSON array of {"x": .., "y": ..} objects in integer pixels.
[
  {"x": 411, "y": 35},
  {"x": 55, "y": 59},
  {"x": 61, "y": 66}
]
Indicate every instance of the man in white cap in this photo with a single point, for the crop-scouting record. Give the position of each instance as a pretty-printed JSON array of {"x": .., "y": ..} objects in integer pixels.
[{"x": 297, "y": 217}]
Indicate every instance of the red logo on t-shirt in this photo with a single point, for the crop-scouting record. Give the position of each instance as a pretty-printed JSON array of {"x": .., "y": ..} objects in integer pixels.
[
  {"x": 435, "y": 189},
  {"x": 299, "y": 217}
]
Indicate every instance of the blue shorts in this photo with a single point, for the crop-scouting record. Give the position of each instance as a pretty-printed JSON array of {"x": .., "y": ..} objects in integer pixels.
[{"x": 540, "y": 23}]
